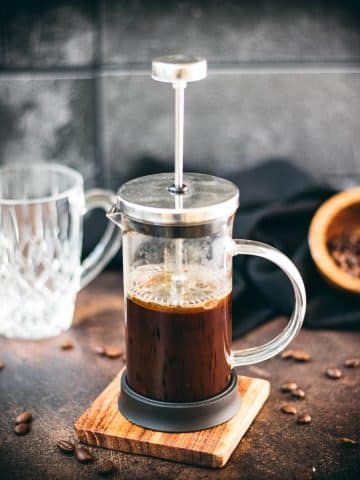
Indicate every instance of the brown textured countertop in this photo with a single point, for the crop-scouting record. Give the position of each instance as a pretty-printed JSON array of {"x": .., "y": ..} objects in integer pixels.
[{"x": 58, "y": 385}]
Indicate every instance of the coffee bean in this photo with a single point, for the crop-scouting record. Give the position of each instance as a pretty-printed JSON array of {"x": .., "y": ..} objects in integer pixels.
[
  {"x": 105, "y": 467},
  {"x": 82, "y": 454},
  {"x": 2, "y": 364},
  {"x": 304, "y": 418},
  {"x": 290, "y": 409},
  {"x": 65, "y": 446},
  {"x": 67, "y": 345},
  {"x": 298, "y": 393},
  {"x": 113, "y": 352},
  {"x": 333, "y": 373},
  {"x": 100, "y": 350},
  {"x": 352, "y": 363},
  {"x": 301, "y": 356},
  {"x": 22, "y": 428},
  {"x": 288, "y": 387},
  {"x": 24, "y": 417},
  {"x": 349, "y": 442},
  {"x": 287, "y": 354}
]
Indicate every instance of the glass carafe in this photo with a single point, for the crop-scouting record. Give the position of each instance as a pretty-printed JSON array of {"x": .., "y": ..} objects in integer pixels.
[{"x": 177, "y": 258}]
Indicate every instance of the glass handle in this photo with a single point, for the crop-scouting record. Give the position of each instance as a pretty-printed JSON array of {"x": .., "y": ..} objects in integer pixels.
[
  {"x": 109, "y": 243},
  {"x": 263, "y": 352}
]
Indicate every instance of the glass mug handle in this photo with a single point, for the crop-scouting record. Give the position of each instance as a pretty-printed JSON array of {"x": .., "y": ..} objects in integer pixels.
[
  {"x": 263, "y": 352},
  {"x": 109, "y": 243}
]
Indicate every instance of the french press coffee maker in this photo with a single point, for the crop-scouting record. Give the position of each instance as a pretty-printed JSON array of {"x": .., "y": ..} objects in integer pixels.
[{"x": 177, "y": 259}]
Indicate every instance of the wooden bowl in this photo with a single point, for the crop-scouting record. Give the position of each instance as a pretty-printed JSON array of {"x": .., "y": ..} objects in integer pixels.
[{"x": 339, "y": 215}]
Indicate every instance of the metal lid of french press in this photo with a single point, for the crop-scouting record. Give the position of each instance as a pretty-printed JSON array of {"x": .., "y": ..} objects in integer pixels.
[
  {"x": 177, "y": 199},
  {"x": 206, "y": 198}
]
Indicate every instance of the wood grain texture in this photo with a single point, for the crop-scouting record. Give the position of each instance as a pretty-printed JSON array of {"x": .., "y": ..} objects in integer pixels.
[{"x": 103, "y": 425}]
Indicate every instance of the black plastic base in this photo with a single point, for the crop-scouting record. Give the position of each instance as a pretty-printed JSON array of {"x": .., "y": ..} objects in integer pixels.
[{"x": 179, "y": 417}]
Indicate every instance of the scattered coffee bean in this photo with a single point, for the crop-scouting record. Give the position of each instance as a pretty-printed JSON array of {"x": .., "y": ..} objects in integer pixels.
[
  {"x": 100, "y": 350},
  {"x": 304, "y": 418},
  {"x": 288, "y": 387},
  {"x": 349, "y": 442},
  {"x": 287, "y": 354},
  {"x": 290, "y": 409},
  {"x": 298, "y": 393},
  {"x": 24, "y": 417},
  {"x": 82, "y": 454},
  {"x": 352, "y": 363},
  {"x": 333, "y": 373},
  {"x": 105, "y": 467},
  {"x": 301, "y": 356},
  {"x": 113, "y": 352},
  {"x": 22, "y": 428},
  {"x": 297, "y": 355},
  {"x": 2, "y": 364},
  {"x": 65, "y": 446},
  {"x": 67, "y": 345}
]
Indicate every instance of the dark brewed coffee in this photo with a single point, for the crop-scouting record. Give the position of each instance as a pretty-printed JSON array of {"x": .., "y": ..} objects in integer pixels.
[{"x": 178, "y": 353}]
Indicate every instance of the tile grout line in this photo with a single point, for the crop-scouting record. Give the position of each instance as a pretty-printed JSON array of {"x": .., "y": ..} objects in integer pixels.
[
  {"x": 99, "y": 117},
  {"x": 99, "y": 69}
]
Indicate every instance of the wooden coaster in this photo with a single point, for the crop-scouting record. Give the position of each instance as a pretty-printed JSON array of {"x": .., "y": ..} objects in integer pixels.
[{"x": 102, "y": 425}]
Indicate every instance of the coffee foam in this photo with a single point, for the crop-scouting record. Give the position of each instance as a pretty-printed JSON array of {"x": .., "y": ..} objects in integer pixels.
[{"x": 157, "y": 286}]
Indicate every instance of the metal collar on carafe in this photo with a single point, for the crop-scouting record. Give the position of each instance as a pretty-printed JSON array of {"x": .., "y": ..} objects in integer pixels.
[{"x": 178, "y": 199}]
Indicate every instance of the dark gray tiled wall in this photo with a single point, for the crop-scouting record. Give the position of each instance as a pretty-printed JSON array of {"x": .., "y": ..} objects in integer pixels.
[
  {"x": 48, "y": 120},
  {"x": 47, "y": 33},
  {"x": 236, "y": 121},
  {"x": 75, "y": 85},
  {"x": 230, "y": 31}
]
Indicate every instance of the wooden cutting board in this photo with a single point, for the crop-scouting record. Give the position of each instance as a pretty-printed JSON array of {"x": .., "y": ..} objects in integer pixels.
[{"x": 102, "y": 425}]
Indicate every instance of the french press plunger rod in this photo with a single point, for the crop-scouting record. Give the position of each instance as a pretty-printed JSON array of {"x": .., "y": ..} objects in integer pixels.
[{"x": 178, "y": 70}]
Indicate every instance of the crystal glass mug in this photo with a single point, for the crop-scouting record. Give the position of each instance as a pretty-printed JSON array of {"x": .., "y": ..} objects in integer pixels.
[
  {"x": 177, "y": 262},
  {"x": 41, "y": 230}
]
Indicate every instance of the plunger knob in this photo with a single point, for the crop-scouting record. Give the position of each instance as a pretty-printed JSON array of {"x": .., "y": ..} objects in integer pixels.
[{"x": 179, "y": 68}]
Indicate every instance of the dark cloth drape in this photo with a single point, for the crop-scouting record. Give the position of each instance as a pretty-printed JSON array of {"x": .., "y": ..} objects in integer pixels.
[{"x": 277, "y": 202}]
